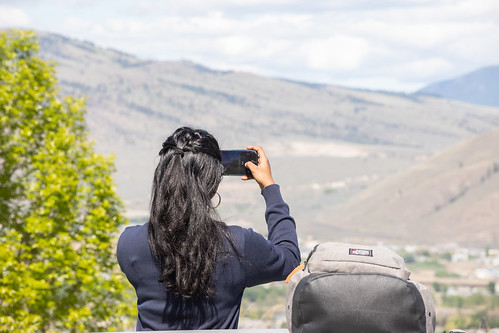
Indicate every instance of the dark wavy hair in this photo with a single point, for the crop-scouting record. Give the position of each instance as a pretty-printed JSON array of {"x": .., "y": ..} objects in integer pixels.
[{"x": 185, "y": 233}]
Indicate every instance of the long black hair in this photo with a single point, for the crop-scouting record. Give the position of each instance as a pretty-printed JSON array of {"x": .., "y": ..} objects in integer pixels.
[{"x": 185, "y": 233}]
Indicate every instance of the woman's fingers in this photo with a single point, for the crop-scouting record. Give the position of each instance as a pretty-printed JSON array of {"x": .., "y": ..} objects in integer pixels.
[{"x": 261, "y": 172}]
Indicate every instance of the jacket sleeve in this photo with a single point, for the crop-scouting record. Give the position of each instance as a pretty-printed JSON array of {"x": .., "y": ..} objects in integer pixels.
[{"x": 271, "y": 259}]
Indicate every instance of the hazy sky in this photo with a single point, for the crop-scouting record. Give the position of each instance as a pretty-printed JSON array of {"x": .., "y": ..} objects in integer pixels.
[{"x": 397, "y": 45}]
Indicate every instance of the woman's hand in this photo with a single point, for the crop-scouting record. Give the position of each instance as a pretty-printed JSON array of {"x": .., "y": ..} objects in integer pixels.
[{"x": 261, "y": 172}]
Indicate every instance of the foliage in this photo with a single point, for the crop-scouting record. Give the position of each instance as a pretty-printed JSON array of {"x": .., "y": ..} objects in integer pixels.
[
  {"x": 59, "y": 211},
  {"x": 481, "y": 319},
  {"x": 473, "y": 311},
  {"x": 491, "y": 287},
  {"x": 438, "y": 287},
  {"x": 452, "y": 301},
  {"x": 430, "y": 265},
  {"x": 446, "y": 256},
  {"x": 466, "y": 302},
  {"x": 259, "y": 302},
  {"x": 456, "y": 321},
  {"x": 408, "y": 256},
  {"x": 265, "y": 294},
  {"x": 446, "y": 274}
]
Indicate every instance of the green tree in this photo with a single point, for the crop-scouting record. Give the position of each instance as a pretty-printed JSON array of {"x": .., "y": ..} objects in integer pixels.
[
  {"x": 59, "y": 211},
  {"x": 492, "y": 287}
]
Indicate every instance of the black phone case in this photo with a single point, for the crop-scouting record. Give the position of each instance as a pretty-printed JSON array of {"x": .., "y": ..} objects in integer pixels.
[{"x": 234, "y": 161}]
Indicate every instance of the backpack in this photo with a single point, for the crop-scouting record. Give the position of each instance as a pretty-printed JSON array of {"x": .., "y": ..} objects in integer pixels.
[{"x": 356, "y": 288}]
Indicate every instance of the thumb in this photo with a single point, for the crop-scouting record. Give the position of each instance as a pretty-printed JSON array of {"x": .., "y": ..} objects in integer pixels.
[{"x": 250, "y": 165}]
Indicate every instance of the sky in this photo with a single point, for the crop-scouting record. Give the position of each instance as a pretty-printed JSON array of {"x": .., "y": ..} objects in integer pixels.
[{"x": 392, "y": 45}]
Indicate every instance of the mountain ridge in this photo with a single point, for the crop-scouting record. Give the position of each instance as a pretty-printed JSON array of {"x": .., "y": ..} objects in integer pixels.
[
  {"x": 327, "y": 143},
  {"x": 477, "y": 87},
  {"x": 230, "y": 89},
  {"x": 456, "y": 192}
]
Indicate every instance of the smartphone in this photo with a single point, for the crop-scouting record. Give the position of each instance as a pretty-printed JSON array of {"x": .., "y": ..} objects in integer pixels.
[{"x": 234, "y": 160}]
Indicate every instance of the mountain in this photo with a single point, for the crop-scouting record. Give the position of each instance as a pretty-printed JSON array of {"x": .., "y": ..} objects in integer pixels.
[
  {"x": 479, "y": 87},
  {"x": 326, "y": 143},
  {"x": 141, "y": 101},
  {"x": 453, "y": 197}
]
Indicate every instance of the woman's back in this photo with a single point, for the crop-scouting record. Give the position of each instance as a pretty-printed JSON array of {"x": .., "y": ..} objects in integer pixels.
[
  {"x": 259, "y": 261},
  {"x": 188, "y": 268}
]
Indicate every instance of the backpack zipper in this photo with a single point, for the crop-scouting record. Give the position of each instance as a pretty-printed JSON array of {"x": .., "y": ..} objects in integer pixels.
[{"x": 309, "y": 255}]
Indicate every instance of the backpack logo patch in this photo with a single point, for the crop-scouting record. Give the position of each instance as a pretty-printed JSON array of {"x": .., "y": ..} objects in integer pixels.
[{"x": 360, "y": 252}]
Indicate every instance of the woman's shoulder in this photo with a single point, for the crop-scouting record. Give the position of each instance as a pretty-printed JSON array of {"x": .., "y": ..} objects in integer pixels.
[
  {"x": 134, "y": 231},
  {"x": 239, "y": 231},
  {"x": 244, "y": 236},
  {"x": 132, "y": 237}
]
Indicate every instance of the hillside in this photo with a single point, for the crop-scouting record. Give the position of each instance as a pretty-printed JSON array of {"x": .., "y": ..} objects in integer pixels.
[
  {"x": 333, "y": 150},
  {"x": 148, "y": 95},
  {"x": 453, "y": 197},
  {"x": 478, "y": 87},
  {"x": 133, "y": 104}
]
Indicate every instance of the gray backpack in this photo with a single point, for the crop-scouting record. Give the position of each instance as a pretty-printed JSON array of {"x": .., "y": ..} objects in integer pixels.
[{"x": 356, "y": 288}]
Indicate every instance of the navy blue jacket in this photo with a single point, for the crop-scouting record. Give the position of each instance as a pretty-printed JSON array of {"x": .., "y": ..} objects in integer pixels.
[{"x": 261, "y": 260}]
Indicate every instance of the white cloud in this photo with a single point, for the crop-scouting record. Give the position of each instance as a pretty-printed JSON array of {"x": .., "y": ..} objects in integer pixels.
[
  {"x": 75, "y": 23},
  {"x": 340, "y": 53},
  {"x": 394, "y": 42},
  {"x": 423, "y": 27},
  {"x": 420, "y": 69},
  {"x": 13, "y": 17},
  {"x": 236, "y": 45},
  {"x": 198, "y": 7},
  {"x": 473, "y": 49},
  {"x": 467, "y": 9}
]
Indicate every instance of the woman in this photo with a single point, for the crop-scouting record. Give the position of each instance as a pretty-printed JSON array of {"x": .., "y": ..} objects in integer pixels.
[{"x": 188, "y": 268}]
